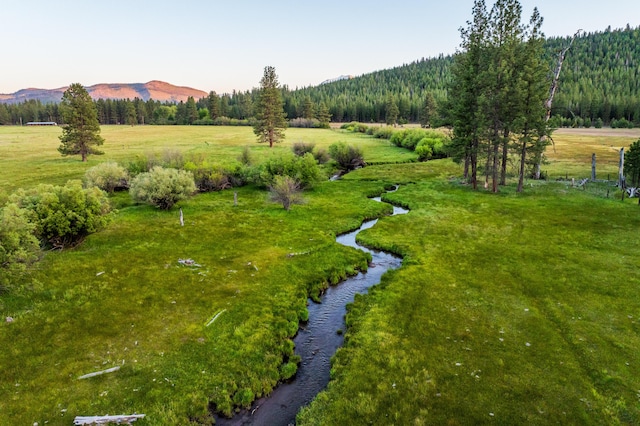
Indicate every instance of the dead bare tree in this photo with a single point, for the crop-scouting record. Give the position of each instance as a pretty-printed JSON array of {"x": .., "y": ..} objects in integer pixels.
[{"x": 552, "y": 92}]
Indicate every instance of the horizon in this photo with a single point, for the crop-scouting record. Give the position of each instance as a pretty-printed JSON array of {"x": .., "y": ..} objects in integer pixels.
[{"x": 225, "y": 47}]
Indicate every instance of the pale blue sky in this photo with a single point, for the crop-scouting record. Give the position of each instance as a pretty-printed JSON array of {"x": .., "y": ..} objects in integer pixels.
[{"x": 222, "y": 46}]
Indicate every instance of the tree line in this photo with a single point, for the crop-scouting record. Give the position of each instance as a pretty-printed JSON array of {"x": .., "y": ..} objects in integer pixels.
[{"x": 599, "y": 85}]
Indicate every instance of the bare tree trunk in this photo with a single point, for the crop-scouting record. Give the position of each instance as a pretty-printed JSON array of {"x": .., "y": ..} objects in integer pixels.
[
  {"x": 505, "y": 147},
  {"x": 467, "y": 160},
  {"x": 523, "y": 156},
  {"x": 474, "y": 165},
  {"x": 494, "y": 172},
  {"x": 552, "y": 93},
  {"x": 593, "y": 166}
]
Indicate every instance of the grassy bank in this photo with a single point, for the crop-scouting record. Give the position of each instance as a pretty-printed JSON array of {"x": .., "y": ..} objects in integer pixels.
[{"x": 516, "y": 309}]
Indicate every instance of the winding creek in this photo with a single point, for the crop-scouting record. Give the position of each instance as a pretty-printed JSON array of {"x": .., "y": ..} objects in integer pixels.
[{"x": 318, "y": 340}]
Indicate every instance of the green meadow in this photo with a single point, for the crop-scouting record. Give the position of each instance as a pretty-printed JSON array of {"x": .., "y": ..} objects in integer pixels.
[{"x": 509, "y": 308}]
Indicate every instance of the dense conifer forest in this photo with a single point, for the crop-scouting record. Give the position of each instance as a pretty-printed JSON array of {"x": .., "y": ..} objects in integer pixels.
[{"x": 599, "y": 85}]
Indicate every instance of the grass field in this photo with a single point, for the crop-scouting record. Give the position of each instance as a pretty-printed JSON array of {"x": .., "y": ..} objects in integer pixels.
[{"x": 509, "y": 308}]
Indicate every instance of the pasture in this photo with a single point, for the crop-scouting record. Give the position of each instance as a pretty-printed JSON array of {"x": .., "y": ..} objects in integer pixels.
[{"x": 515, "y": 308}]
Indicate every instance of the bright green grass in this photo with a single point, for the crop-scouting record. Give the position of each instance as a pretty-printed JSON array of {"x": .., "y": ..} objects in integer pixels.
[
  {"x": 122, "y": 299},
  {"x": 28, "y": 155},
  {"x": 515, "y": 309},
  {"x": 554, "y": 267}
]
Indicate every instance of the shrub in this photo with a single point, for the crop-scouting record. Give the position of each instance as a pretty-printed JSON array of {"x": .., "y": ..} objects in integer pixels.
[
  {"x": 285, "y": 190},
  {"x": 383, "y": 132},
  {"x": 246, "y": 157},
  {"x": 107, "y": 176},
  {"x": 321, "y": 155},
  {"x": 19, "y": 247},
  {"x": 304, "y": 170},
  {"x": 162, "y": 187},
  {"x": 346, "y": 156},
  {"x": 306, "y": 123},
  {"x": 64, "y": 215},
  {"x": 209, "y": 179},
  {"x": 429, "y": 148},
  {"x": 301, "y": 148}
]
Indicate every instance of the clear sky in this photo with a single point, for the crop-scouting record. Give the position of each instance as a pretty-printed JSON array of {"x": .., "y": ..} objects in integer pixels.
[{"x": 225, "y": 45}]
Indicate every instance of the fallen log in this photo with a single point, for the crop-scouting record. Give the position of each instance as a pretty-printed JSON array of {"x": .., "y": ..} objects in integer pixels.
[
  {"x": 98, "y": 373},
  {"x": 103, "y": 420}
]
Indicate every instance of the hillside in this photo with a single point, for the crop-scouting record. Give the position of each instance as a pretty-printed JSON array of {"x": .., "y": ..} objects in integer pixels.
[
  {"x": 600, "y": 80},
  {"x": 156, "y": 90}
]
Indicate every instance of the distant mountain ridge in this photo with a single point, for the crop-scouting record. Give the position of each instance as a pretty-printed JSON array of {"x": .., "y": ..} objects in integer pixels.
[{"x": 156, "y": 90}]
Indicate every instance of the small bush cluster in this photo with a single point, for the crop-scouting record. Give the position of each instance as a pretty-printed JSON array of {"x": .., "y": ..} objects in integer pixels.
[
  {"x": 307, "y": 123},
  {"x": 355, "y": 127},
  {"x": 304, "y": 170},
  {"x": 301, "y": 148},
  {"x": 162, "y": 187},
  {"x": 347, "y": 157},
  {"x": 222, "y": 121},
  {"x": 108, "y": 176},
  {"x": 428, "y": 144},
  {"x": 64, "y": 215}
]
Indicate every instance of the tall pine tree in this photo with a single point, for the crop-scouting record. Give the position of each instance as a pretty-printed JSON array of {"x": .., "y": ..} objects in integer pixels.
[
  {"x": 270, "y": 116},
  {"x": 81, "y": 132}
]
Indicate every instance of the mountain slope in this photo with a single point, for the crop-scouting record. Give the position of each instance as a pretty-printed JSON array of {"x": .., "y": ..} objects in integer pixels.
[{"x": 156, "y": 90}]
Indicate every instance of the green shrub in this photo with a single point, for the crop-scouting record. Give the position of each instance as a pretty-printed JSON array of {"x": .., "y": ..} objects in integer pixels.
[
  {"x": 208, "y": 177},
  {"x": 288, "y": 370},
  {"x": 246, "y": 157},
  {"x": 19, "y": 247},
  {"x": 301, "y": 148},
  {"x": 304, "y": 170},
  {"x": 321, "y": 155},
  {"x": 346, "y": 156},
  {"x": 243, "y": 397},
  {"x": 64, "y": 215},
  {"x": 162, "y": 187},
  {"x": 383, "y": 132},
  {"x": 107, "y": 176}
]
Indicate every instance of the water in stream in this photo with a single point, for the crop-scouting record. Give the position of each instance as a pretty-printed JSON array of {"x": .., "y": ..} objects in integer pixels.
[{"x": 318, "y": 340}]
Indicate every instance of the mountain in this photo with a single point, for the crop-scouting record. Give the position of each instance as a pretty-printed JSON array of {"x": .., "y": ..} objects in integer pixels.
[{"x": 156, "y": 90}]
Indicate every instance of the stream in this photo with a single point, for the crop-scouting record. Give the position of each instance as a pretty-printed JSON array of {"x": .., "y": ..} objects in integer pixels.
[{"x": 318, "y": 340}]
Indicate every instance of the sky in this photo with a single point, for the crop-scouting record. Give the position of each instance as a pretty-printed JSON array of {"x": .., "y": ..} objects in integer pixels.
[{"x": 224, "y": 46}]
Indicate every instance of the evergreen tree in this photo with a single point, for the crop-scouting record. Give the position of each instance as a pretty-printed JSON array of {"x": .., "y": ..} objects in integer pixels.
[
  {"x": 81, "y": 133},
  {"x": 213, "y": 104},
  {"x": 428, "y": 110},
  {"x": 270, "y": 116},
  {"x": 132, "y": 115},
  {"x": 323, "y": 115},
  {"x": 391, "y": 117},
  {"x": 191, "y": 111},
  {"x": 307, "y": 108},
  {"x": 632, "y": 163}
]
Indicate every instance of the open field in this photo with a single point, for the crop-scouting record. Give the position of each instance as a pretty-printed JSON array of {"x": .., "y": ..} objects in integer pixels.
[
  {"x": 509, "y": 308},
  {"x": 37, "y": 148}
]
